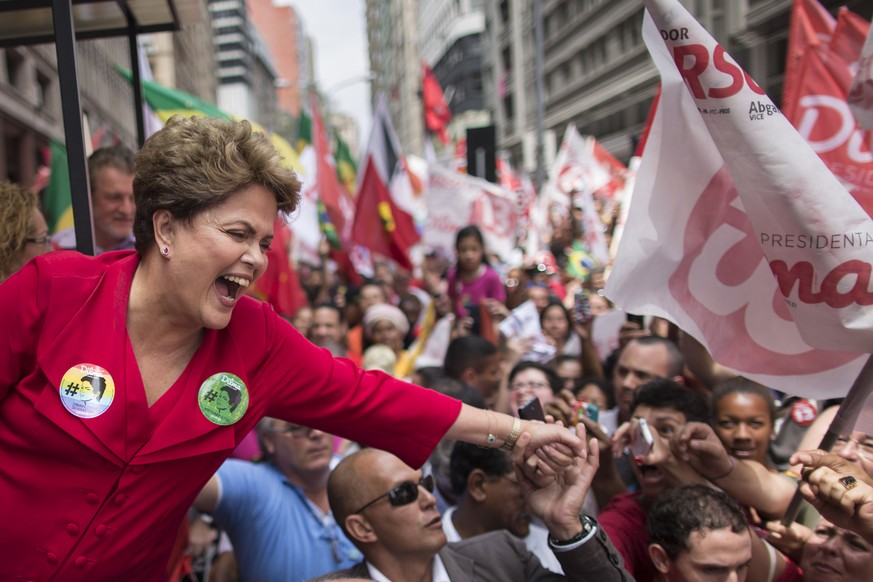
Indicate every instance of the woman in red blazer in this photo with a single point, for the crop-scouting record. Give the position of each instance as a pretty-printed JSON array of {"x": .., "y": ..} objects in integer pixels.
[{"x": 126, "y": 379}]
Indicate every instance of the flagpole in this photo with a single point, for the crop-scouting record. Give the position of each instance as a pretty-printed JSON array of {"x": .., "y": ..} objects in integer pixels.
[
  {"x": 843, "y": 422},
  {"x": 540, "y": 94}
]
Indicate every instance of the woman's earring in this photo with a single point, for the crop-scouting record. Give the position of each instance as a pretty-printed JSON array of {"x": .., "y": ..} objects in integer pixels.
[{"x": 165, "y": 251}]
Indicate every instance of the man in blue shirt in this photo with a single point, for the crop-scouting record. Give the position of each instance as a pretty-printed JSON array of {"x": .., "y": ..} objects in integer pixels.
[{"x": 276, "y": 513}]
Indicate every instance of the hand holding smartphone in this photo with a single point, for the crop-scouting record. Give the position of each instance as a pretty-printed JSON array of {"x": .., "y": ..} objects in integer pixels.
[
  {"x": 581, "y": 308},
  {"x": 589, "y": 411},
  {"x": 532, "y": 410},
  {"x": 642, "y": 442}
]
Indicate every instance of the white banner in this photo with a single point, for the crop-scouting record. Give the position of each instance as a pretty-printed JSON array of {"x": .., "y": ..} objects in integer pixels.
[
  {"x": 457, "y": 200},
  {"x": 304, "y": 221},
  {"x": 728, "y": 194}
]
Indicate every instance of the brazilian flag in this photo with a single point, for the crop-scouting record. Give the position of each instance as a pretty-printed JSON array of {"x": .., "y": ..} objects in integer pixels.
[
  {"x": 304, "y": 131},
  {"x": 346, "y": 168},
  {"x": 167, "y": 102},
  {"x": 327, "y": 227},
  {"x": 57, "y": 198}
]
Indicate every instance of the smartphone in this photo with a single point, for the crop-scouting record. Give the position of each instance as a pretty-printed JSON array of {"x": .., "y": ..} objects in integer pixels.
[
  {"x": 473, "y": 314},
  {"x": 589, "y": 411},
  {"x": 631, "y": 317},
  {"x": 581, "y": 308},
  {"x": 532, "y": 410},
  {"x": 642, "y": 442}
]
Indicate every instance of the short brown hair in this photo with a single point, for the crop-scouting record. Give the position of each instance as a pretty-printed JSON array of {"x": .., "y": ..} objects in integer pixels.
[
  {"x": 119, "y": 157},
  {"x": 16, "y": 206},
  {"x": 197, "y": 163}
]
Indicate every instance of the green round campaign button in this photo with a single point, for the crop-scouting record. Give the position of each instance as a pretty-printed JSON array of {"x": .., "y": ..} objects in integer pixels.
[{"x": 223, "y": 398}]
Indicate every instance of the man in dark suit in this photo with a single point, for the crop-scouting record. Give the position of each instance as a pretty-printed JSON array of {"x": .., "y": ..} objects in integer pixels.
[{"x": 387, "y": 510}]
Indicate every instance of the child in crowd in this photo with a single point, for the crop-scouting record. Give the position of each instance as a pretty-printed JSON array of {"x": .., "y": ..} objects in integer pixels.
[{"x": 472, "y": 280}]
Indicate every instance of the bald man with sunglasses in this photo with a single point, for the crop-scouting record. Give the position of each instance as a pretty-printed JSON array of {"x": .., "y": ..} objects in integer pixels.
[
  {"x": 276, "y": 512},
  {"x": 388, "y": 511}
]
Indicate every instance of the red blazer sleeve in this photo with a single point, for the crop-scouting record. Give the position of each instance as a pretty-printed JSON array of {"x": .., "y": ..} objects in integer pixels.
[{"x": 309, "y": 386}]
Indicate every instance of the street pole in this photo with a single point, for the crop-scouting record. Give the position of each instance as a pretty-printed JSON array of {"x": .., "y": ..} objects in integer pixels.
[{"x": 538, "y": 73}]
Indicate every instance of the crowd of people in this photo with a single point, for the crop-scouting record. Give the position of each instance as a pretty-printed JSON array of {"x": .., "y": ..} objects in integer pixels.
[{"x": 375, "y": 433}]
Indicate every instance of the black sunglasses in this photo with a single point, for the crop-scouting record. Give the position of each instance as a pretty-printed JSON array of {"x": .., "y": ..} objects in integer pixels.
[{"x": 403, "y": 494}]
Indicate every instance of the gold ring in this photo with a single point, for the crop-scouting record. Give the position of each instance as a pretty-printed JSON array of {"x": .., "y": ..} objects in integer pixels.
[{"x": 849, "y": 482}]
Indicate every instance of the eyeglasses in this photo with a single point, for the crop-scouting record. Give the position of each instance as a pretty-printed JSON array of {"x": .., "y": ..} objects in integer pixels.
[
  {"x": 864, "y": 446},
  {"x": 45, "y": 240},
  {"x": 403, "y": 494},
  {"x": 531, "y": 385}
]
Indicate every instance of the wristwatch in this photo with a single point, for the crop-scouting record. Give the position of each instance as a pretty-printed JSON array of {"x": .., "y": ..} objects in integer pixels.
[{"x": 588, "y": 527}]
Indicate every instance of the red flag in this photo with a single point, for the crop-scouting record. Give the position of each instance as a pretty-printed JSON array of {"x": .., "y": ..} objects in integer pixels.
[
  {"x": 330, "y": 193},
  {"x": 382, "y": 222},
  {"x": 821, "y": 113},
  {"x": 279, "y": 285},
  {"x": 849, "y": 36},
  {"x": 811, "y": 25},
  {"x": 436, "y": 112}
]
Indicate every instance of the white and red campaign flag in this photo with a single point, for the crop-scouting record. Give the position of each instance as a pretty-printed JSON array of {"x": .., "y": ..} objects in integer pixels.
[
  {"x": 456, "y": 200},
  {"x": 860, "y": 96},
  {"x": 615, "y": 169},
  {"x": 385, "y": 202},
  {"x": 507, "y": 177},
  {"x": 576, "y": 175},
  {"x": 738, "y": 232},
  {"x": 818, "y": 105}
]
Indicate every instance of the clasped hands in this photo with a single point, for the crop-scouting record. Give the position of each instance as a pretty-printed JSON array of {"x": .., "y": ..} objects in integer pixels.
[{"x": 555, "y": 468}]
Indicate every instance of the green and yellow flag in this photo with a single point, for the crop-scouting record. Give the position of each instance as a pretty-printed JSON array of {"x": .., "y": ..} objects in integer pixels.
[
  {"x": 167, "y": 102},
  {"x": 57, "y": 198},
  {"x": 304, "y": 131},
  {"x": 346, "y": 167}
]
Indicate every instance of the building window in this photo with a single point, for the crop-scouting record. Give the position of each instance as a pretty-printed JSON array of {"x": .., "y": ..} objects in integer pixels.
[
  {"x": 508, "y": 108},
  {"x": 44, "y": 87},
  {"x": 14, "y": 65}
]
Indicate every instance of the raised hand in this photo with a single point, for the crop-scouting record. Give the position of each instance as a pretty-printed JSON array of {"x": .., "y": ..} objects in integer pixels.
[{"x": 840, "y": 490}]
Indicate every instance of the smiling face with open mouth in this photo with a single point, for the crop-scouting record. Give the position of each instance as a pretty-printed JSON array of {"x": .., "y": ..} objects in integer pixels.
[{"x": 218, "y": 255}]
